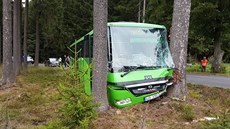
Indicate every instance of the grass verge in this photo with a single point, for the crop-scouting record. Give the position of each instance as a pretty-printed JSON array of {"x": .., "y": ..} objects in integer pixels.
[{"x": 34, "y": 101}]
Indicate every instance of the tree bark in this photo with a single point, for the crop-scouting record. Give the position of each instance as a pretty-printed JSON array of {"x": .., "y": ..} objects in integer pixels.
[
  {"x": 25, "y": 65},
  {"x": 7, "y": 71},
  {"x": 1, "y": 33},
  {"x": 20, "y": 34},
  {"x": 16, "y": 42},
  {"x": 218, "y": 52},
  {"x": 99, "y": 87},
  {"x": 179, "y": 43},
  {"x": 37, "y": 42}
]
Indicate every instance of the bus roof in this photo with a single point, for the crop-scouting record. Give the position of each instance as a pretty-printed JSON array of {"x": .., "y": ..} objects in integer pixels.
[
  {"x": 135, "y": 24},
  {"x": 122, "y": 24}
]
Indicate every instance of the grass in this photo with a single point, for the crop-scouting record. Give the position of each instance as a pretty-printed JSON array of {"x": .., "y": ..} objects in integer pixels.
[
  {"x": 33, "y": 101},
  {"x": 186, "y": 111},
  {"x": 33, "y": 104},
  {"x": 196, "y": 68}
]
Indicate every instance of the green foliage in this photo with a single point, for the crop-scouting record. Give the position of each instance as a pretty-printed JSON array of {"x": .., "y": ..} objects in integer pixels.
[
  {"x": 78, "y": 109},
  {"x": 159, "y": 12},
  {"x": 222, "y": 123},
  {"x": 224, "y": 68},
  {"x": 195, "y": 94},
  {"x": 123, "y": 10},
  {"x": 53, "y": 125},
  {"x": 197, "y": 68},
  {"x": 61, "y": 22},
  {"x": 64, "y": 21},
  {"x": 201, "y": 35},
  {"x": 186, "y": 111}
]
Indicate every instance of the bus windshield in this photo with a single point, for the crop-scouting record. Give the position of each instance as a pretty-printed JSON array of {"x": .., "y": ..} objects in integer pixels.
[{"x": 139, "y": 46}]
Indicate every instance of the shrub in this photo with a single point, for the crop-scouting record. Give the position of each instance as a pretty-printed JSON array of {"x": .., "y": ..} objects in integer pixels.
[
  {"x": 78, "y": 109},
  {"x": 222, "y": 123},
  {"x": 186, "y": 111},
  {"x": 195, "y": 94}
]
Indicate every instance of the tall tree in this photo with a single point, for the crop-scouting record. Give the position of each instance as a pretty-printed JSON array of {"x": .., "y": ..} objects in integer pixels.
[
  {"x": 1, "y": 32},
  {"x": 16, "y": 37},
  {"x": 37, "y": 35},
  {"x": 123, "y": 10},
  {"x": 208, "y": 39},
  {"x": 99, "y": 88},
  {"x": 7, "y": 71},
  {"x": 220, "y": 19},
  {"x": 178, "y": 43},
  {"x": 20, "y": 34},
  {"x": 25, "y": 35},
  {"x": 159, "y": 12}
]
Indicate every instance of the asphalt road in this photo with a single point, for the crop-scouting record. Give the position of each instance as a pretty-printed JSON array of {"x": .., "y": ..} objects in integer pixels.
[{"x": 210, "y": 80}]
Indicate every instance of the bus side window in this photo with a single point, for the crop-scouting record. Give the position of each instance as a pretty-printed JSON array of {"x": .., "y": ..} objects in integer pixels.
[
  {"x": 90, "y": 48},
  {"x": 80, "y": 49},
  {"x": 86, "y": 46}
]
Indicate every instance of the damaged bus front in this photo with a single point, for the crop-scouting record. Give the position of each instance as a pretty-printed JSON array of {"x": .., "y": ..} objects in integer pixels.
[{"x": 140, "y": 65}]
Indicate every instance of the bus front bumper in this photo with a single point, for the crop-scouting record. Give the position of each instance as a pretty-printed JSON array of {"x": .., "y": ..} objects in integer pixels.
[{"x": 121, "y": 97}]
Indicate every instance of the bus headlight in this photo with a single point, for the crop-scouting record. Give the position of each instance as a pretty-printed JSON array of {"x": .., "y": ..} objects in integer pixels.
[{"x": 123, "y": 101}]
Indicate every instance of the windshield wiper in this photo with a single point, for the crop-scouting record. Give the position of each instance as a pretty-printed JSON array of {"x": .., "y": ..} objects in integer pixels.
[
  {"x": 152, "y": 67},
  {"x": 130, "y": 69},
  {"x": 134, "y": 68}
]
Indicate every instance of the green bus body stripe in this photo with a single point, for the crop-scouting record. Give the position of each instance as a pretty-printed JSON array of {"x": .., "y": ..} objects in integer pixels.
[{"x": 81, "y": 39}]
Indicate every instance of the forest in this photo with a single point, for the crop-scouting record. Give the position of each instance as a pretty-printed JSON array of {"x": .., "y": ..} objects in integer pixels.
[
  {"x": 63, "y": 22},
  {"x": 90, "y": 89}
]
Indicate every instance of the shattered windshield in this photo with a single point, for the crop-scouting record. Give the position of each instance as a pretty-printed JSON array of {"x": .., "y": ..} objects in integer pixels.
[{"x": 137, "y": 46}]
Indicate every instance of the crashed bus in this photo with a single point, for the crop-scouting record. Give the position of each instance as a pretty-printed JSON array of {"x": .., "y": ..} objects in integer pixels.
[{"x": 140, "y": 65}]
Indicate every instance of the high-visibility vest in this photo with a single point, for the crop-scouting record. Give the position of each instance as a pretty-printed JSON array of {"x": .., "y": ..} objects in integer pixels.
[{"x": 204, "y": 62}]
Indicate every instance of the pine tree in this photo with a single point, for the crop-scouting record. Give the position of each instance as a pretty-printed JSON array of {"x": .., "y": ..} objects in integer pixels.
[
  {"x": 7, "y": 70},
  {"x": 16, "y": 37},
  {"x": 179, "y": 42},
  {"x": 25, "y": 35},
  {"x": 37, "y": 46},
  {"x": 99, "y": 87}
]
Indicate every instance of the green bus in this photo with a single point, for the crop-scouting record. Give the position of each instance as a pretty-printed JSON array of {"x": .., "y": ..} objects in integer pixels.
[{"x": 140, "y": 65}]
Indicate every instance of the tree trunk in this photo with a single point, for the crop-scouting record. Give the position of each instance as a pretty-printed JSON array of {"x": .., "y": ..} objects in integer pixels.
[
  {"x": 218, "y": 52},
  {"x": 1, "y": 33},
  {"x": 99, "y": 87},
  {"x": 16, "y": 40},
  {"x": 179, "y": 43},
  {"x": 25, "y": 65},
  {"x": 7, "y": 71},
  {"x": 20, "y": 34},
  {"x": 37, "y": 42},
  {"x": 1, "y": 39}
]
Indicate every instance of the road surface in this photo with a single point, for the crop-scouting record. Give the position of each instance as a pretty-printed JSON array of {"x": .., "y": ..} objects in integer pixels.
[{"x": 210, "y": 80}]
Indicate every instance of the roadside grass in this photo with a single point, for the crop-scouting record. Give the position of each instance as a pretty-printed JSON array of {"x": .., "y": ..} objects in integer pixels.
[
  {"x": 202, "y": 101},
  {"x": 33, "y": 101},
  {"x": 33, "y": 104},
  {"x": 186, "y": 111},
  {"x": 196, "y": 69}
]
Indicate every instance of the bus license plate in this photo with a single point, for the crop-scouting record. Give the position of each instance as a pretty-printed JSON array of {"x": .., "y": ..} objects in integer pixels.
[{"x": 152, "y": 97}]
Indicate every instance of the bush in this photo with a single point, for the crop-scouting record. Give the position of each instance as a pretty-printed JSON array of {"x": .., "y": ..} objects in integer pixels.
[
  {"x": 186, "y": 111},
  {"x": 197, "y": 68},
  {"x": 78, "y": 109},
  {"x": 222, "y": 123}
]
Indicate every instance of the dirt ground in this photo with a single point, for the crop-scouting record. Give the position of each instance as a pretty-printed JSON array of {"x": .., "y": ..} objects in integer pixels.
[
  {"x": 34, "y": 102},
  {"x": 166, "y": 113}
]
